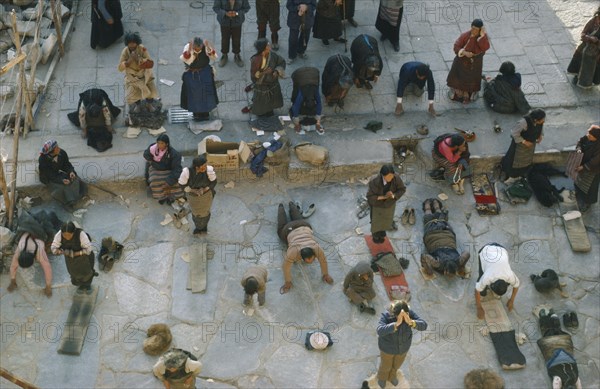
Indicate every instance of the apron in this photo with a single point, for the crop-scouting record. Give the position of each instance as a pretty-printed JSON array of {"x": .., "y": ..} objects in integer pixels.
[
  {"x": 382, "y": 218},
  {"x": 201, "y": 204},
  {"x": 79, "y": 268},
  {"x": 523, "y": 156},
  {"x": 584, "y": 180}
]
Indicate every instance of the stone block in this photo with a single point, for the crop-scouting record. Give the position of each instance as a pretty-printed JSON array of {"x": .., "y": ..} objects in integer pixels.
[
  {"x": 306, "y": 367},
  {"x": 6, "y": 236},
  {"x": 508, "y": 47},
  {"x": 137, "y": 297},
  {"x": 255, "y": 381},
  {"x": 541, "y": 55},
  {"x": 550, "y": 74},
  {"x": 48, "y": 47},
  {"x": 22, "y": 3},
  {"x": 151, "y": 264},
  {"x": 5, "y": 40},
  {"x": 533, "y": 227},
  {"x": 63, "y": 11}
]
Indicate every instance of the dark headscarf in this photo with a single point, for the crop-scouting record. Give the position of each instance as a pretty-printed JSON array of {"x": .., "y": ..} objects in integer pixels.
[
  {"x": 132, "y": 37},
  {"x": 595, "y": 132},
  {"x": 260, "y": 45},
  {"x": 477, "y": 23},
  {"x": 163, "y": 138}
]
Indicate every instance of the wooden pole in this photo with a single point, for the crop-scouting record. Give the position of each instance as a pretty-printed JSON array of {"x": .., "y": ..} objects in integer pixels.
[
  {"x": 16, "y": 380},
  {"x": 19, "y": 103},
  {"x": 57, "y": 26},
  {"x": 3, "y": 186},
  {"x": 34, "y": 55}
]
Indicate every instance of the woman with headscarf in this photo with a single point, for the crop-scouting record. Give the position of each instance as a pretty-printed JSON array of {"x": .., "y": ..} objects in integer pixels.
[
  {"x": 140, "y": 84},
  {"x": 163, "y": 168},
  {"x": 75, "y": 245},
  {"x": 177, "y": 369},
  {"x": 503, "y": 94},
  {"x": 451, "y": 153},
  {"x": 266, "y": 68},
  {"x": 384, "y": 190},
  {"x": 389, "y": 18},
  {"x": 465, "y": 75},
  {"x": 527, "y": 133},
  {"x": 57, "y": 173},
  {"x": 337, "y": 79},
  {"x": 588, "y": 173},
  {"x": 198, "y": 91},
  {"x": 199, "y": 181},
  {"x": 585, "y": 63},
  {"x": 106, "y": 23}
]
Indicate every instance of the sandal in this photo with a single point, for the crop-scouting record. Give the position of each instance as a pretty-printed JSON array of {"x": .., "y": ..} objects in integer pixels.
[
  {"x": 309, "y": 211},
  {"x": 427, "y": 205},
  {"x": 439, "y": 203}
]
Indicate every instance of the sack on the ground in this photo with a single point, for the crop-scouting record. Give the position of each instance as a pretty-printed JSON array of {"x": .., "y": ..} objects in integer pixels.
[
  {"x": 388, "y": 264},
  {"x": 313, "y": 154},
  {"x": 520, "y": 189}
]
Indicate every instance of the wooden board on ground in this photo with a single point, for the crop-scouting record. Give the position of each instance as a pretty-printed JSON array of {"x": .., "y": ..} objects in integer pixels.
[
  {"x": 77, "y": 322},
  {"x": 502, "y": 334},
  {"x": 393, "y": 284},
  {"x": 486, "y": 199},
  {"x": 198, "y": 267},
  {"x": 575, "y": 229}
]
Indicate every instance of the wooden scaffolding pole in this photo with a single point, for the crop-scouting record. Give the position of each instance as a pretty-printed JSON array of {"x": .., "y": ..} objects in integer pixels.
[
  {"x": 3, "y": 186},
  {"x": 16, "y": 380},
  {"x": 57, "y": 26},
  {"x": 34, "y": 55}
]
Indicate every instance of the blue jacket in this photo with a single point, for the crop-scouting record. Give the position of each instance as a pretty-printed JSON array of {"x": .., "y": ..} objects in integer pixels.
[
  {"x": 408, "y": 75},
  {"x": 293, "y": 20},
  {"x": 220, "y": 7},
  {"x": 397, "y": 341}
]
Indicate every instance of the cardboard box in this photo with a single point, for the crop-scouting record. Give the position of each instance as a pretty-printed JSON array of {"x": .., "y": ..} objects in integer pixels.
[{"x": 220, "y": 155}]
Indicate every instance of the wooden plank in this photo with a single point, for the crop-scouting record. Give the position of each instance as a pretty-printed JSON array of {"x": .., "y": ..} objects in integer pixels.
[
  {"x": 13, "y": 62},
  {"x": 77, "y": 322},
  {"x": 16, "y": 380},
  {"x": 198, "y": 267}
]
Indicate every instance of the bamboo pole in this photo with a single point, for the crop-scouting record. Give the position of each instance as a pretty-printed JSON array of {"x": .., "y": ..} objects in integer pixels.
[
  {"x": 3, "y": 186},
  {"x": 57, "y": 27},
  {"x": 34, "y": 54},
  {"x": 16, "y": 380},
  {"x": 19, "y": 103}
]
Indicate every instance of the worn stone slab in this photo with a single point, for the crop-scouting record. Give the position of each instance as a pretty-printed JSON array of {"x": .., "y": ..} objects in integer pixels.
[
  {"x": 255, "y": 381},
  {"x": 137, "y": 297},
  {"x": 305, "y": 365},
  {"x": 233, "y": 210},
  {"x": 151, "y": 264},
  {"x": 533, "y": 227},
  {"x": 132, "y": 380},
  {"x": 102, "y": 220}
]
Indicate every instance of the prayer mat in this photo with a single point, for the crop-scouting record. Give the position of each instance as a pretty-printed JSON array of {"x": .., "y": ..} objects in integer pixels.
[
  {"x": 395, "y": 286},
  {"x": 574, "y": 227},
  {"x": 77, "y": 322},
  {"x": 197, "y": 275},
  {"x": 486, "y": 201}
]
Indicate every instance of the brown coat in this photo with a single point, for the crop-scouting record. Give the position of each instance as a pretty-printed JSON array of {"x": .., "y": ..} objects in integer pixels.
[
  {"x": 259, "y": 273},
  {"x": 298, "y": 239},
  {"x": 376, "y": 189},
  {"x": 354, "y": 278}
]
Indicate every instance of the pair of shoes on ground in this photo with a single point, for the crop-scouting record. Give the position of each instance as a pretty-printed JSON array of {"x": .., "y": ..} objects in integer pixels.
[
  {"x": 408, "y": 217},
  {"x": 198, "y": 231},
  {"x": 308, "y": 211},
  {"x": 236, "y": 58},
  {"x": 381, "y": 383},
  {"x": 367, "y": 308},
  {"x": 570, "y": 320}
]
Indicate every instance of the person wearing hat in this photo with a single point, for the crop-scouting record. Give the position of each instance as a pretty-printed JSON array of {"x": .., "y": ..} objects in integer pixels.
[
  {"x": 317, "y": 340},
  {"x": 528, "y": 132},
  {"x": 358, "y": 287},
  {"x": 450, "y": 153},
  {"x": 266, "y": 69},
  {"x": 465, "y": 75},
  {"x": 199, "y": 182},
  {"x": 302, "y": 245},
  {"x": 27, "y": 251},
  {"x": 75, "y": 245},
  {"x": 394, "y": 332},
  {"x": 59, "y": 176},
  {"x": 495, "y": 274},
  {"x": 163, "y": 169},
  {"x": 588, "y": 172},
  {"x": 337, "y": 80},
  {"x": 412, "y": 79},
  {"x": 177, "y": 369},
  {"x": 385, "y": 189},
  {"x": 254, "y": 281}
]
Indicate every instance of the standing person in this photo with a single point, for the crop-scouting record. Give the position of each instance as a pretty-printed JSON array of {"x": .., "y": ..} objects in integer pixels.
[
  {"x": 27, "y": 251},
  {"x": 450, "y": 153},
  {"x": 266, "y": 68},
  {"x": 465, "y": 75},
  {"x": 302, "y": 246},
  {"x": 495, "y": 273},
  {"x": 140, "y": 85},
  {"x": 59, "y": 176},
  {"x": 328, "y": 21},
  {"x": 254, "y": 281},
  {"x": 337, "y": 79},
  {"x": 588, "y": 173},
  {"x": 384, "y": 190},
  {"x": 528, "y": 132},
  {"x": 358, "y": 287},
  {"x": 412, "y": 79},
  {"x": 267, "y": 11},
  {"x": 306, "y": 99},
  {"x": 348, "y": 8},
  {"x": 389, "y": 18},
  {"x": 106, "y": 23},
  {"x": 75, "y": 245},
  {"x": 199, "y": 181},
  {"x": 585, "y": 63},
  {"x": 177, "y": 369},
  {"x": 231, "y": 15},
  {"x": 503, "y": 94},
  {"x": 394, "y": 333},
  {"x": 300, "y": 20},
  {"x": 366, "y": 60},
  {"x": 198, "y": 91},
  {"x": 163, "y": 168}
]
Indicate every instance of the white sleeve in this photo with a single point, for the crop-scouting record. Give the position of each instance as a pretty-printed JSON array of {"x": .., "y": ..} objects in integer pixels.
[
  {"x": 86, "y": 245},
  {"x": 187, "y": 61},
  {"x": 192, "y": 366},
  {"x": 210, "y": 172},
  {"x": 159, "y": 370},
  {"x": 56, "y": 243},
  {"x": 184, "y": 177},
  {"x": 516, "y": 282}
]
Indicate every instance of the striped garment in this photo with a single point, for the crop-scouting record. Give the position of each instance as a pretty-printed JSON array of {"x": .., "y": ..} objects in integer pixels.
[
  {"x": 159, "y": 187},
  {"x": 390, "y": 15}
]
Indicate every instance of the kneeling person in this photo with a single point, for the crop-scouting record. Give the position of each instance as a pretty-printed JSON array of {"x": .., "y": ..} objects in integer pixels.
[
  {"x": 358, "y": 287},
  {"x": 254, "y": 281},
  {"x": 301, "y": 245},
  {"x": 440, "y": 242}
]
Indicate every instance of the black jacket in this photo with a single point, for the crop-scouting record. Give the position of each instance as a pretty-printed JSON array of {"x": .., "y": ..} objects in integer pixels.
[
  {"x": 170, "y": 161},
  {"x": 55, "y": 172}
]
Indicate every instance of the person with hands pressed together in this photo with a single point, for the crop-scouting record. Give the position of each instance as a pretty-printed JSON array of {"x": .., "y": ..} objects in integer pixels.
[
  {"x": 231, "y": 15},
  {"x": 394, "y": 332}
]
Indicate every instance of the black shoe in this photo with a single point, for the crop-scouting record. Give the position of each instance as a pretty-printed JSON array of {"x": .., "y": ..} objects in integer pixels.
[
  {"x": 370, "y": 310},
  {"x": 340, "y": 40},
  {"x": 396, "y": 47},
  {"x": 382, "y": 38},
  {"x": 567, "y": 320},
  {"x": 197, "y": 231},
  {"x": 352, "y": 22},
  {"x": 162, "y": 201},
  {"x": 574, "y": 320},
  {"x": 361, "y": 307},
  {"x": 325, "y": 42},
  {"x": 542, "y": 313}
]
